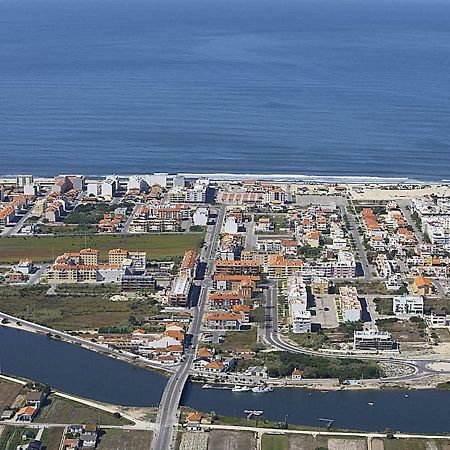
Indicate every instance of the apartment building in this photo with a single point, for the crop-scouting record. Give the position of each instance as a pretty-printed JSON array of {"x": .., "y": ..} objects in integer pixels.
[
  {"x": 408, "y": 304},
  {"x": 371, "y": 340},
  {"x": 349, "y": 304}
]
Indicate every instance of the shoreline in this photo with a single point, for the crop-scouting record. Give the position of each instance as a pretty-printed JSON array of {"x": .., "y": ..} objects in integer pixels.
[{"x": 324, "y": 178}]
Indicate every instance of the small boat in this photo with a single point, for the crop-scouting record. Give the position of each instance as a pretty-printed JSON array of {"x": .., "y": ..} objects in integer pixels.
[
  {"x": 261, "y": 389},
  {"x": 370, "y": 403},
  {"x": 206, "y": 386},
  {"x": 254, "y": 412},
  {"x": 406, "y": 396},
  {"x": 240, "y": 389}
]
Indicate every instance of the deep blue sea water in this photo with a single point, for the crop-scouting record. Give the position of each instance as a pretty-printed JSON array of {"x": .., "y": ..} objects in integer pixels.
[{"x": 338, "y": 87}]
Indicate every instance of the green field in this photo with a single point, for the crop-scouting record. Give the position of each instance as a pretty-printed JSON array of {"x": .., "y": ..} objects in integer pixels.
[
  {"x": 274, "y": 442},
  {"x": 47, "y": 248}
]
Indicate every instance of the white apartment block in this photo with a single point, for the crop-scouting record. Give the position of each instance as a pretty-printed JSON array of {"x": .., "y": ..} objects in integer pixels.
[
  {"x": 109, "y": 186},
  {"x": 349, "y": 304},
  {"x": 408, "y": 304}
]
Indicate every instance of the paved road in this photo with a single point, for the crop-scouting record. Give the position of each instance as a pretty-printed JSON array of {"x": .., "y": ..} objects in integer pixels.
[
  {"x": 167, "y": 420},
  {"x": 404, "y": 207},
  {"x": 269, "y": 332},
  {"x": 250, "y": 237},
  {"x": 358, "y": 243},
  {"x": 35, "y": 277},
  {"x": 127, "y": 224}
]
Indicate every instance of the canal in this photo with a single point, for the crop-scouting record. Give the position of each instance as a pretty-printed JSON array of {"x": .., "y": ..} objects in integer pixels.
[{"x": 78, "y": 371}]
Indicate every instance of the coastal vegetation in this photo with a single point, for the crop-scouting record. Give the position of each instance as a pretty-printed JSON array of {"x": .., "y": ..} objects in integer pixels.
[{"x": 282, "y": 364}]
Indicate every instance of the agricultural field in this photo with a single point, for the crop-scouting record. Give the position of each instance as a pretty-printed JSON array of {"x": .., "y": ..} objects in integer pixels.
[
  {"x": 125, "y": 439},
  {"x": 11, "y": 437},
  {"x": 75, "y": 310},
  {"x": 60, "y": 410},
  {"x": 45, "y": 249},
  {"x": 231, "y": 440}
]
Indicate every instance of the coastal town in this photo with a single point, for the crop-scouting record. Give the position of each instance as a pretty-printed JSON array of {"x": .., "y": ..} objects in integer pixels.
[{"x": 243, "y": 285}]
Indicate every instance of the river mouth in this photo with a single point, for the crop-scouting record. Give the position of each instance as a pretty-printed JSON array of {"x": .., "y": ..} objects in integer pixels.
[{"x": 84, "y": 373}]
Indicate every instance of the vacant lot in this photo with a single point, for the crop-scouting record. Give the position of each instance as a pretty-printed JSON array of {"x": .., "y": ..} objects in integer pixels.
[
  {"x": 51, "y": 438},
  {"x": 231, "y": 440},
  {"x": 415, "y": 444},
  {"x": 404, "y": 330},
  {"x": 71, "y": 312},
  {"x": 60, "y": 410},
  {"x": 8, "y": 393},
  {"x": 308, "y": 442},
  {"x": 124, "y": 439},
  {"x": 47, "y": 248},
  {"x": 239, "y": 339},
  {"x": 384, "y": 305}
]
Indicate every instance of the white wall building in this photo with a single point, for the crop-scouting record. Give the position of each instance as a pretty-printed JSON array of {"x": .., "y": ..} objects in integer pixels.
[{"x": 408, "y": 304}]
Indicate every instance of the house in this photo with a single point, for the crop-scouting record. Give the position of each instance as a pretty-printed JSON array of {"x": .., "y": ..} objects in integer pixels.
[
  {"x": 422, "y": 286},
  {"x": 26, "y": 414},
  {"x": 35, "y": 399},
  {"x": 214, "y": 367},
  {"x": 71, "y": 444},
  {"x": 437, "y": 319},
  {"x": 88, "y": 439},
  {"x": 297, "y": 374},
  {"x": 223, "y": 321}
]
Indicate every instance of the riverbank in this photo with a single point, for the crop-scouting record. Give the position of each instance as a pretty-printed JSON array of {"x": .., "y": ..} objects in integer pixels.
[{"x": 430, "y": 381}]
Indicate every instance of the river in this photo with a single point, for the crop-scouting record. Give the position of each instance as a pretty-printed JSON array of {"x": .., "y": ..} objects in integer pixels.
[{"x": 78, "y": 371}]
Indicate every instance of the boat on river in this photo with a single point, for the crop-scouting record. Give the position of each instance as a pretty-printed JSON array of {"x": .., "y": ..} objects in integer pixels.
[
  {"x": 240, "y": 389},
  {"x": 262, "y": 389}
]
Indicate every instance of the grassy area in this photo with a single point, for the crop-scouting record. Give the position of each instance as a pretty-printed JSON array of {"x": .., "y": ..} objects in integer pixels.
[
  {"x": 47, "y": 248},
  {"x": 283, "y": 364},
  {"x": 308, "y": 340},
  {"x": 239, "y": 339},
  {"x": 274, "y": 442},
  {"x": 72, "y": 312},
  {"x": 125, "y": 439},
  {"x": 61, "y": 410}
]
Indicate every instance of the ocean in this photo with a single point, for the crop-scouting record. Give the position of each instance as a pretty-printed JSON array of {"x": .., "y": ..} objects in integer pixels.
[{"x": 343, "y": 88}]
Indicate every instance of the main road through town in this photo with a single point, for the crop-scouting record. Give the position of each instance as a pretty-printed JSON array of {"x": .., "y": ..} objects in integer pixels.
[
  {"x": 167, "y": 419},
  {"x": 269, "y": 332}
]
